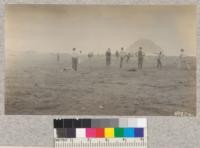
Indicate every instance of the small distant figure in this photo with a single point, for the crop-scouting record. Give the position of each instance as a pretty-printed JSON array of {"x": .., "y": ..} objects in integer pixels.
[
  {"x": 108, "y": 57},
  {"x": 159, "y": 60},
  {"x": 117, "y": 54},
  {"x": 128, "y": 56},
  {"x": 79, "y": 59},
  {"x": 122, "y": 56},
  {"x": 58, "y": 57},
  {"x": 140, "y": 54},
  {"x": 74, "y": 59},
  {"x": 182, "y": 60}
]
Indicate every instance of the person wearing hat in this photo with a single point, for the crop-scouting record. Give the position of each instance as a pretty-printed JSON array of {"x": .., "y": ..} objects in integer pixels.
[
  {"x": 74, "y": 59},
  {"x": 140, "y": 54},
  {"x": 182, "y": 61}
]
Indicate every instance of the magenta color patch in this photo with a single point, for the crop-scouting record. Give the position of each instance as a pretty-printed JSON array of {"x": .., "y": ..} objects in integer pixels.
[{"x": 90, "y": 132}]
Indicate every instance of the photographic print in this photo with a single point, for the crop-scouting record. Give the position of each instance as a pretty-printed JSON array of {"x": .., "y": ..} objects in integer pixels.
[{"x": 124, "y": 60}]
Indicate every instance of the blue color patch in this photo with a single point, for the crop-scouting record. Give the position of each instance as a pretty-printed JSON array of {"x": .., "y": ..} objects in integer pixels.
[
  {"x": 129, "y": 132},
  {"x": 139, "y": 132}
]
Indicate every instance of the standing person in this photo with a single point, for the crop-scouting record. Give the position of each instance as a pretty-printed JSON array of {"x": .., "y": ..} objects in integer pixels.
[
  {"x": 117, "y": 54},
  {"x": 182, "y": 60},
  {"x": 122, "y": 56},
  {"x": 74, "y": 59},
  {"x": 128, "y": 57},
  {"x": 159, "y": 60},
  {"x": 108, "y": 57},
  {"x": 140, "y": 54}
]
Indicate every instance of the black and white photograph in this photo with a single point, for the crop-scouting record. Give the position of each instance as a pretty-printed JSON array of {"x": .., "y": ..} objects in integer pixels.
[{"x": 120, "y": 60}]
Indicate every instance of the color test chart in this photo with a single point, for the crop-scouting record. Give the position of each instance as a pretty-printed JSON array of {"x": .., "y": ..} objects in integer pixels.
[{"x": 100, "y": 133}]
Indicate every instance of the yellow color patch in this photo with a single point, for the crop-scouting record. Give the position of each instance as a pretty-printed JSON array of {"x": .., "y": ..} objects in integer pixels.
[{"x": 109, "y": 132}]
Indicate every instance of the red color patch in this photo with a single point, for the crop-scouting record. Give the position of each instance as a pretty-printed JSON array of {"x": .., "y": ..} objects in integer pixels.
[{"x": 100, "y": 132}]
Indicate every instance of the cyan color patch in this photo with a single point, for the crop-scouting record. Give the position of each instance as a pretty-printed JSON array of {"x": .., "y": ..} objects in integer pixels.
[{"x": 129, "y": 132}]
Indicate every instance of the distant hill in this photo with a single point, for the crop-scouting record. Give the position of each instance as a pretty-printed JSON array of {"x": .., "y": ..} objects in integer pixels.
[{"x": 149, "y": 47}]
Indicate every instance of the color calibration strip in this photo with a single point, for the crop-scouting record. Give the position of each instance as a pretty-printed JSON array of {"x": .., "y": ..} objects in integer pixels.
[{"x": 101, "y": 133}]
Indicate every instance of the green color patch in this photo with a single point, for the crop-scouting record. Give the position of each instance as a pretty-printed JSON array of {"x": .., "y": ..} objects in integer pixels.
[{"x": 119, "y": 132}]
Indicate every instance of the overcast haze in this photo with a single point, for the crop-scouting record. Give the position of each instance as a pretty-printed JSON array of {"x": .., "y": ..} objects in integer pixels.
[{"x": 95, "y": 28}]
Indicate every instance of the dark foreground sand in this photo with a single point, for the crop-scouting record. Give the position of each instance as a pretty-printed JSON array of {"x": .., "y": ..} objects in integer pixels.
[{"x": 37, "y": 84}]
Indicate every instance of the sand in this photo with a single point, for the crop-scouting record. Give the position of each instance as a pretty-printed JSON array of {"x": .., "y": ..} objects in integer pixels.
[{"x": 37, "y": 84}]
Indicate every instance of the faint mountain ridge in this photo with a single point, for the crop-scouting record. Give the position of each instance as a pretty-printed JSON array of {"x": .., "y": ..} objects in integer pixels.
[{"x": 148, "y": 46}]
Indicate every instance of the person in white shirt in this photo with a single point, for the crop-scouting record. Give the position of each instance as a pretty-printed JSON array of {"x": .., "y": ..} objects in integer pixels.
[
  {"x": 122, "y": 56},
  {"x": 182, "y": 60},
  {"x": 74, "y": 59},
  {"x": 159, "y": 60}
]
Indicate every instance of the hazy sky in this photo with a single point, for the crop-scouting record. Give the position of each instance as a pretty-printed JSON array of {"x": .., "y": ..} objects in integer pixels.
[{"x": 54, "y": 28}]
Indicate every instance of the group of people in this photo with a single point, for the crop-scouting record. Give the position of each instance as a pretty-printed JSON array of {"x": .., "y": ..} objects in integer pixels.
[
  {"x": 122, "y": 55},
  {"x": 125, "y": 57}
]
